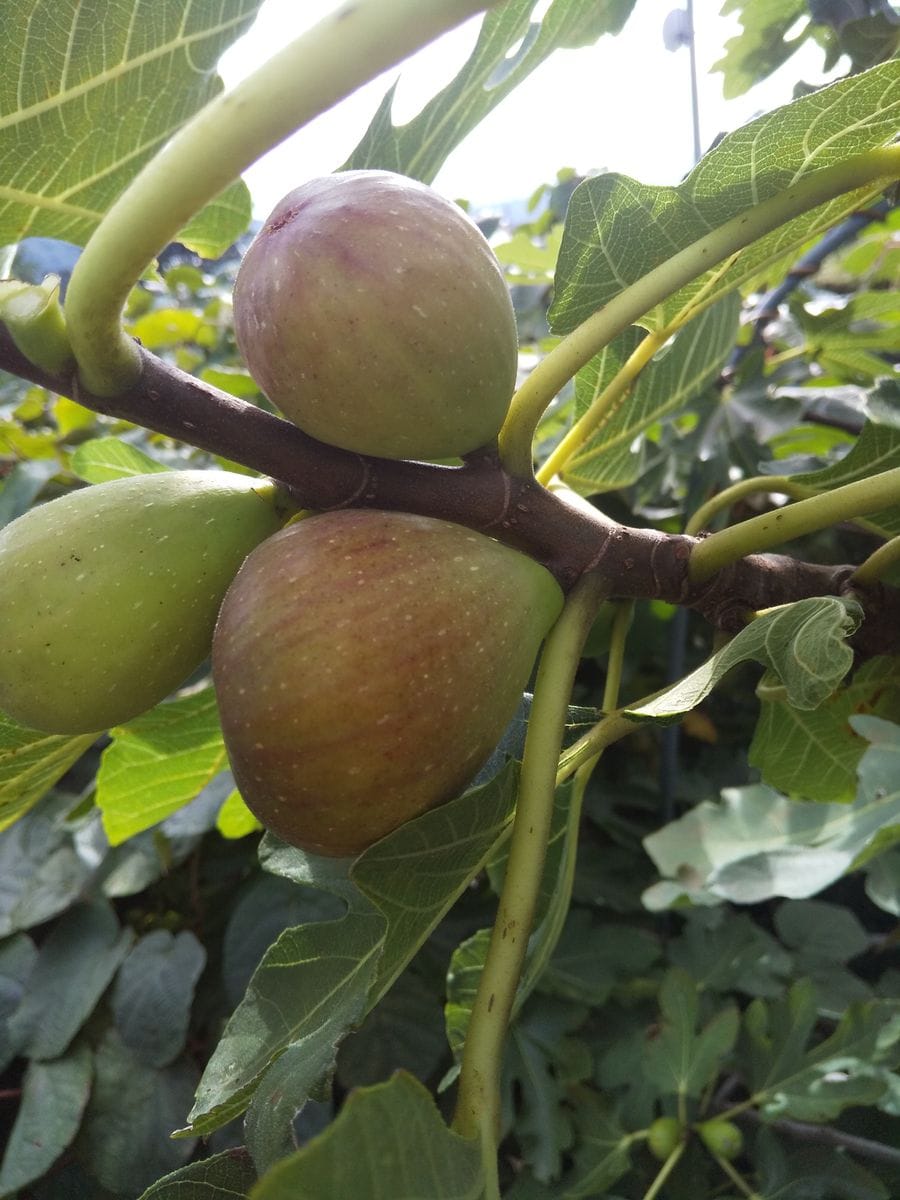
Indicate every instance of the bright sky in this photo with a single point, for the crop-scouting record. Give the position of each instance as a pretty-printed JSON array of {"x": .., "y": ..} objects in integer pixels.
[{"x": 622, "y": 104}]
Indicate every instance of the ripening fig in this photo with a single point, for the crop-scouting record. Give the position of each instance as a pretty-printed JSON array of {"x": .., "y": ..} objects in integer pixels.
[
  {"x": 374, "y": 314},
  {"x": 366, "y": 664},
  {"x": 109, "y": 595}
]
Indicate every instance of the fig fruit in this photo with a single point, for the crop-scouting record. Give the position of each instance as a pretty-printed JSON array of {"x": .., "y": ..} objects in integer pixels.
[
  {"x": 374, "y": 314},
  {"x": 109, "y": 595},
  {"x": 721, "y": 1138},
  {"x": 663, "y": 1136},
  {"x": 366, "y": 664}
]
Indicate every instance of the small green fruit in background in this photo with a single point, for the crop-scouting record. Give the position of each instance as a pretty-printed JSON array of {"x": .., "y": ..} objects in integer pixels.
[
  {"x": 374, "y": 314},
  {"x": 663, "y": 1136},
  {"x": 722, "y": 1138},
  {"x": 109, "y": 595},
  {"x": 366, "y": 664}
]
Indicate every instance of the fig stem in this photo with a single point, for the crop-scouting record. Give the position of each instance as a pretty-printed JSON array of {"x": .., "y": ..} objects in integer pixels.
[
  {"x": 793, "y": 520},
  {"x": 862, "y": 174},
  {"x": 346, "y": 49},
  {"x": 478, "y": 1101}
]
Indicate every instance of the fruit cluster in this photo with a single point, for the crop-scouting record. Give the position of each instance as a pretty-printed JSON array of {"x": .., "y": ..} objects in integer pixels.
[{"x": 365, "y": 663}]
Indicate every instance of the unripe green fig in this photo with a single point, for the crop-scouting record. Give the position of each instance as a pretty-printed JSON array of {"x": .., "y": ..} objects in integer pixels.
[
  {"x": 375, "y": 315},
  {"x": 109, "y": 595},
  {"x": 722, "y": 1138},
  {"x": 663, "y": 1136},
  {"x": 366, "y": 664}
]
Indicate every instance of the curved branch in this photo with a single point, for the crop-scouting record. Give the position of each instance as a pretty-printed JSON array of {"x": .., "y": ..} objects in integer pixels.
[{"x": 568, "y": 539}]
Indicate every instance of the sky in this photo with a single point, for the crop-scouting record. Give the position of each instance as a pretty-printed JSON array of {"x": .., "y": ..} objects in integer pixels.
[{"x": 620, "y": 105}]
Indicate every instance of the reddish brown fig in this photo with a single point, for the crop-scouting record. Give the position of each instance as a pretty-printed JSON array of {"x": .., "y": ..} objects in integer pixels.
[
  {"x": 366, "y": 664},
  {"x": 373, "y": 312}
]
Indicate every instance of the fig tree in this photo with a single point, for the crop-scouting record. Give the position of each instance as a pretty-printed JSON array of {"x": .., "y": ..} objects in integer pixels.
[
  {"x": 374, "y": 314},
  {"x": 109, "y": 595},
  {"x": 366, "y": 664}
]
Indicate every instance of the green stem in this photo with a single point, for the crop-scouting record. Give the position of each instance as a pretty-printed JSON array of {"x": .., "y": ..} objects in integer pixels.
[
  {"x": 579, "y": 347},
  {"x": 878, "y": 563},
  {"x": 610, "y": 729},
  {"x": 478, "y": 1100},
  {"x": 794, "y": 520},
  {"x": 664, "y": 1172},
  {"x": 767, "y": 484},
  {"x": 348, "y": 48}
]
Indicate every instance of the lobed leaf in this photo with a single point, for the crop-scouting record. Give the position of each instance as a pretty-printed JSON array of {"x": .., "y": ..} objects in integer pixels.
[{"x": 508, "y": 49}]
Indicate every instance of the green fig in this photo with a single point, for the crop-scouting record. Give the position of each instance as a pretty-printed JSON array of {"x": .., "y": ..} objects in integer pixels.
[
  {"x": 663, "y": 1136},
  {"x": 722, "y": 1138},
  {"x": 366, "y": 664},
  {"x": 109, "y": 595},
  {"x": 374, "y": 314}
]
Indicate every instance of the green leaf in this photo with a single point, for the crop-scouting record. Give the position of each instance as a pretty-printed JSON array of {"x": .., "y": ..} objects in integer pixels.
[
  {"x": 284, "y": 1089},
  {"x": 159, "y": 762},
  {"x": 727, "y": 951},
  {"x": 823, "y": 937},
  {"x": 603, "y": 1155},
  {"x": 76, "y": 963},
  {"x": 417, "y": 873},
  {"x": 22, "y": 486},
  {"x": 100, "y": 88},
  {"x": 226, "y": 1176},
  {"x": 31, "y": 763},
  {"x": 592, "y": 957},
  {"x": 152, "y": 997},
  {"x": 18, "y": 955},
  {"x": 311, "y": 985},
  {"x": 508, "y": 49},
  {"x": 815, "y": 753},
  {"x": 802, "y": 644},
  {"x": 106, "y": 458},
  {"x": 54, "y": 1095},
  {"x": 610, "y": 458},
  {"x": 617, "y": 230},
  {"x": 790, "y": 1171},
  {"x": 876, "y": 449},
  {"x": 762, "y": 46},
  {"x": 388, "y": 1143},
  {"x": 788, "y": 1080},
  {"x": 41, "y": 871},
  {"x": 126, "y": 1135},
  {"x": 679, "y": 1060}
]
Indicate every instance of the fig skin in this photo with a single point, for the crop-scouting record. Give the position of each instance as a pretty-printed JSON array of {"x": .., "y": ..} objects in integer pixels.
[
  {"x": 374, "y": 314},
  {"x": 366, "y": 664},
  {"x": 109, "y": 595}
]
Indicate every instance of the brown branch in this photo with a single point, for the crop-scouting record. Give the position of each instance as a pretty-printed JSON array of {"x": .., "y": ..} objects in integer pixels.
[{"x": 641, "y": 563}]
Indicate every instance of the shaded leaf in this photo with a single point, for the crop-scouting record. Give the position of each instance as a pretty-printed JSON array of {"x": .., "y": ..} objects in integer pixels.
[
  {"x": 75, "y": 965},
  {"x": 54, "y": 1095},
  {"x": 226, "y": 1176},
  {"x": 678, "y": 1059},
  {"x": 603, "y": 1155},
  {"x": 374, "y": 1151},
  {"x": 152, "y": 997},
  {"x": 126, "y": 1135}
]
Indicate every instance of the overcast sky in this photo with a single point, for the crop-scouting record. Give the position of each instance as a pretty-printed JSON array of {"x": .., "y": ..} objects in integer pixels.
[{"x": 630, "y": 97}]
